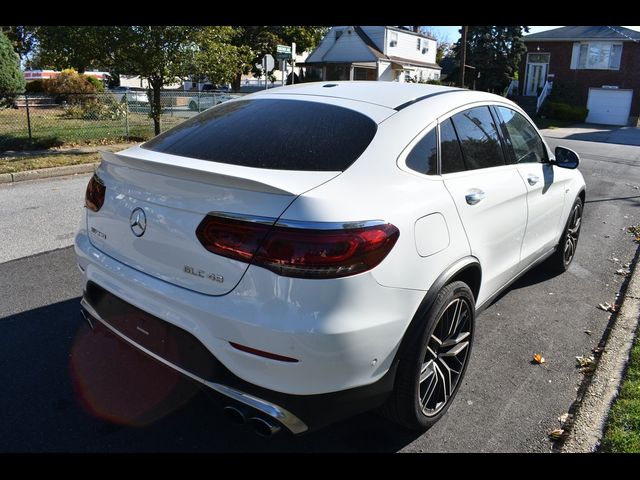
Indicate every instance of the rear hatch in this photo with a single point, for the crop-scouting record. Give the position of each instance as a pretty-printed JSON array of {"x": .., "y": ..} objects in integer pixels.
[
  {"x": 174, "y": 200},
  {"x": 242, "y": 157}
]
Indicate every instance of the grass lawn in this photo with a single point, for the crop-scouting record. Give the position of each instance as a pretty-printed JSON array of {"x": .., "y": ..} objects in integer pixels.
[
  {"x": 47, "y": 161},
  {"x": 623, "y": 428},
  {"x": 51, "y": 128}
]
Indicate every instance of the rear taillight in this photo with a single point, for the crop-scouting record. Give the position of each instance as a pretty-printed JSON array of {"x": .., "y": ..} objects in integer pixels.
[
  {"x": 299, "y": 252},
  {"x": 94, "y": 197}
]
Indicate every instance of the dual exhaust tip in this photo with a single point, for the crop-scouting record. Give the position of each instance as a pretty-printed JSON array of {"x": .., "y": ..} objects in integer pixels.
[{"x": 261, "y": 426}]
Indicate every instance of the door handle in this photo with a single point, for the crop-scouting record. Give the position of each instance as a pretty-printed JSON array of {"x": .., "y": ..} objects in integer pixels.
[
  {"x": 532, "y": 179},
  {"x": 474, "y": 196}
]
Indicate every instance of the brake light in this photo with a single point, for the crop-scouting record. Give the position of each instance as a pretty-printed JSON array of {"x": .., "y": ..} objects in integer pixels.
[
  {"x": 299, "y": 252},
  {"x": 94, "y": 196}
]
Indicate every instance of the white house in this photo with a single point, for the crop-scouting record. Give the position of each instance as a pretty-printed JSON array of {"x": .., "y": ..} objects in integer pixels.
[{"x": 373, "y": 53}]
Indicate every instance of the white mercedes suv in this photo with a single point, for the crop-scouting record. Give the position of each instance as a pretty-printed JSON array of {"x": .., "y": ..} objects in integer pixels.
[{"x": 318, "y": 250}]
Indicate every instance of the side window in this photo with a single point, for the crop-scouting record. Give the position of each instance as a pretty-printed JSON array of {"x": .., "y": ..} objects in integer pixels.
[
  {"x": 450, "y": 153},
  {"x": 423, "y": 157},
  {"x": 527, "y": 144},
  {"x": 479, "y": 138}
]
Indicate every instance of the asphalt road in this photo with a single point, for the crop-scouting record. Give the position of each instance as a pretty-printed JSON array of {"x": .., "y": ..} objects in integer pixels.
[{"x": 66, "y": 389}]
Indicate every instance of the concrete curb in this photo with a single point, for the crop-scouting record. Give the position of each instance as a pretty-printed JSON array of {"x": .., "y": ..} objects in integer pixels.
[
  {"x": 47, "y": 173},
  {"x": 591, "y": 416}
]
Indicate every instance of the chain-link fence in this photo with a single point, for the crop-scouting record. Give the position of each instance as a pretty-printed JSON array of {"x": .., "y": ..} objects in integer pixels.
[{"x": 42, "y": 121}]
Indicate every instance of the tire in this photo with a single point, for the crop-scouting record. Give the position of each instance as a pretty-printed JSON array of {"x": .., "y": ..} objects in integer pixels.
[
  {"x": 418, "y": 404},
  {"x": 193, "y": 105},
  {"x": 566, "y": 250}
]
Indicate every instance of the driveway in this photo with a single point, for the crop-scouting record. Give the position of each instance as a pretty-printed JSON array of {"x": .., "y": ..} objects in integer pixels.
[{"x": 597, "y": 133}]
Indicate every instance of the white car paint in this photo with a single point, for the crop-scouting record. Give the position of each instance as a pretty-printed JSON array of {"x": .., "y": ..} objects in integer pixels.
[{"x": 345, "y": 331}]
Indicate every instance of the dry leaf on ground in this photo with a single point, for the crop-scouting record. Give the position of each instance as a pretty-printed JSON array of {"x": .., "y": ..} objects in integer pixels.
[
  {"x": 556, "y": 434},
  {"x": 538, "y": 358}
]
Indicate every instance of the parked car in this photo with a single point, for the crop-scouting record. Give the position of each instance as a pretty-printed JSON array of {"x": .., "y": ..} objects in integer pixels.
[
  {"x": 132, "y": 95},
  {"x": 206, "y": 100},
  {"x": 323, "y": 249}
]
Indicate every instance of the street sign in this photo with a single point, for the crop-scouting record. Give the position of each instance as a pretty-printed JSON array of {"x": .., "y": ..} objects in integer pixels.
[
  {"x": 283, "y": 52},
  {"x": 268, "y": 63}
]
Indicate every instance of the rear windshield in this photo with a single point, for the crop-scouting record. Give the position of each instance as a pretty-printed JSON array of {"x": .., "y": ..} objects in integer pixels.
[{"x": 272, "y": 133}]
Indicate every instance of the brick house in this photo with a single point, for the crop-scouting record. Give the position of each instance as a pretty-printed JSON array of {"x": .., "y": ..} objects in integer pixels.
[{"x": 603, "y": 61}]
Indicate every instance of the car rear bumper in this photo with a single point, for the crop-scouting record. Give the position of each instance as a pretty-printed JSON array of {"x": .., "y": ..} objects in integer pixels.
[
  {"x": 344, "y": 334},
  {"x": 182, "y": 352}
]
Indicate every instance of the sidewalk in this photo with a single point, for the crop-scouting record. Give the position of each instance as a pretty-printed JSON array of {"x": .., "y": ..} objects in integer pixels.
[{"x": 596, "y": 133}]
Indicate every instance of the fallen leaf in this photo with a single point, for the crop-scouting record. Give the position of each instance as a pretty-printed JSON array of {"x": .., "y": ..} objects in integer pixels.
[
  {"x": 585, "y": 361},
  {"x": 563, "y": 418},
  {"x": 556, "y": 434},
  {"x": 588, "y": 332},
  {"x": 538, "y": 358},
  {"x": 604, "y": 306},
  {"x": 623, "y": 272}
]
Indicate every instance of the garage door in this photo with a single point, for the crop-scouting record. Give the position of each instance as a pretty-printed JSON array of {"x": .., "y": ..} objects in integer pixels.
[{"x": 609, "y": 107}]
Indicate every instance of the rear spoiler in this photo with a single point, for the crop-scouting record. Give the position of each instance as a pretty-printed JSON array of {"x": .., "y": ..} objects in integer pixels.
[{"x": 278, "y": 182}]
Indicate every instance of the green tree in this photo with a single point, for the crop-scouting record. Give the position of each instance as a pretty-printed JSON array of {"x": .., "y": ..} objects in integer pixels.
[
  {"x": 23, "y": 39},
  {"x": 495, "y": 52},
  {"x": 11, "y": 79},
  {"x": 218, "y": 58},
  {"x": 257, "y": 41},
  {"x": 79, "y": 47},
  {"x": 161, "y": 54}
]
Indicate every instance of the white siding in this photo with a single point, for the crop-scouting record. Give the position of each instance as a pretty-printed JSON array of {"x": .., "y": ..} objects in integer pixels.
[
  {"x": 349, "y": 48},
  {"x": 385, "y": 73},
  {"x": 407, "y": 48},
  {"x": 376, "y": 34},
  {"x": 325, "y": 44}
]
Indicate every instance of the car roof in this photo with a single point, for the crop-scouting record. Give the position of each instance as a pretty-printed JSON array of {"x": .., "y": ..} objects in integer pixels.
[{"x": 394, "y": 95}]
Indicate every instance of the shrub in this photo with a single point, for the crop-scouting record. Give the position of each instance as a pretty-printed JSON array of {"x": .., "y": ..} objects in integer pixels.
[
  {"x": 96, "y": 109},
  {"x": 564, "y": 111},
  {"x": 11, "y": 79},
  {"x": 566, "y": 92},
  {"x": 70, "y": 87},
  {"x": 96, "y": 83},
  {"x": 35, "y": 86}
]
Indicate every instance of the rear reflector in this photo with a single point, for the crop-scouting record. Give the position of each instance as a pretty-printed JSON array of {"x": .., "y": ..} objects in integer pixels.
[
  {"x": 94, "y": 196},
  {"x": 261, "y": 353},
  {"x": 298, "y": 252}
]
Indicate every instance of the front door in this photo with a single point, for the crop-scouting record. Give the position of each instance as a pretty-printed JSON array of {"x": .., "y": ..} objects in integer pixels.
[{"x": 536, "y": 76}]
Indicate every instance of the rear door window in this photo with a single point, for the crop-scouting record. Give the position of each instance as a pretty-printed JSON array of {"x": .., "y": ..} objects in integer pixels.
[
  {"x": 423, "y": 157},
  {"x": 450, "y": 153},
  {"x": 273, "y": 134},
  {"x": 479, "y": 138}
]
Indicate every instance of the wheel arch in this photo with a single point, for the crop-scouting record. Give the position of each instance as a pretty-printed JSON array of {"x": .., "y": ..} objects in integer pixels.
[{"x": 467, "y": 270}]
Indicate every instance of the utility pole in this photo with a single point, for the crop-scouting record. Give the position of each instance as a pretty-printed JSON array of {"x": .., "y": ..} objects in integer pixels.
[{"x": 463, "y": 55}]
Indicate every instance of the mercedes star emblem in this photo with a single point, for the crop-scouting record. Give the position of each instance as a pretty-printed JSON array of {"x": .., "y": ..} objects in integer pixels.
[{"x": 138, "y": 222}]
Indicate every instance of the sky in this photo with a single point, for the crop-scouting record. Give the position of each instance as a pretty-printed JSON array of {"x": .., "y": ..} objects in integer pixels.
[{"x": 453, "y": 35}]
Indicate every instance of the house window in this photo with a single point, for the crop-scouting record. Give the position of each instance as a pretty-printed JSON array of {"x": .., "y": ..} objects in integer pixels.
[
  {"x": 407, "y": 76},
  {"x": 599, "y": 56},
  {"x": 393, "y": 39},
  {"x": 418, "y": 45}
]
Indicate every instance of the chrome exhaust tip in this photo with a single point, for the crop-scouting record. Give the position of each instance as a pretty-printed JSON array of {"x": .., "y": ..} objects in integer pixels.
[
  {"x": 263, "y": 427},
  {"x": 234, "y": 415}
]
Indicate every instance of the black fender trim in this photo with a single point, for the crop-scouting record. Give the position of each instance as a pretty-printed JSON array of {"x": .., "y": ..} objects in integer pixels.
[{"x": 443, "y": 279}]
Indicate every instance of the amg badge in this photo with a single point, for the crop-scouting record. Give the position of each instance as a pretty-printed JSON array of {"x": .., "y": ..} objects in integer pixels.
[{"x": 202, "y": 274}]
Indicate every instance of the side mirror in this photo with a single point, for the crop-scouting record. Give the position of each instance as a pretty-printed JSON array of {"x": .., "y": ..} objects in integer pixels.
[{"x": 566, "y": 158}]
